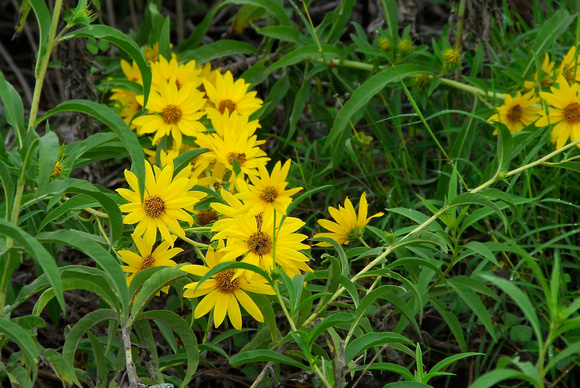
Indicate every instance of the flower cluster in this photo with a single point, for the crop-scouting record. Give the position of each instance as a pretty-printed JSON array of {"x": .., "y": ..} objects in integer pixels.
[
  {"x": 561, "y": 104},
  {"x": 193, "y": 107}
]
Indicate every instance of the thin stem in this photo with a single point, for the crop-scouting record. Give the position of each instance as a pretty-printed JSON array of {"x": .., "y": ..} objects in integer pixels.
[
  {"x": 131, "y": 369},
  {"x": 321, "y": 376},
  {"x": 194, "y": 243},
  {"x": 281, "y": 301},
  {"x": 41, "y": 70}
]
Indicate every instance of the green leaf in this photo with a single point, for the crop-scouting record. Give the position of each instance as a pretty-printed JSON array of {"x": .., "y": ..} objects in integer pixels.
[
  {"x": 99, "y": 356},
  {"x": 180, "y": 326},
  {"x": 47, "y": 156},
  {"x": 492, "y": 378},
  {"x": 327, "y": 322},
  {"x": 23, "y": 340},
  {"x": 466, "y": 293},
  {"x": 265, "y": 355},
  {"x": 360, "y": 99},
  {"x": 521, "y": 300},
  {"x": 302, "y": 197},
  {"x": 126, "y": 44},
  {"x": 571, "y": 351},
  {"x": 451, "y": 359},
  {"x": 407, "y": 384},
  {"x": 345, "y": 265},
  {"x": 391, "y": 17},
  {"x": 78, "y": 330},
  {"x": 505, "y": 146},
  {"x": 13, "y": 108},
  {"x": 403, "y": 306},
  {"x": 40, "y": 255},
  {"x": 452, "y": 322},
  {"x": 302, "y": 53},
  {"x": 151, "y": 286},
  {"x": 116, "y": 124},
  {"x": 77, "y": 186},
  {"x": 244, "y": 17},
  {"x": 284, "y": 33},
  {"x": 555, "y": 26},
  {"x": 84, "y": 242},
  {"x": 387, "y": 366},
  {"x": 219, "y": 49},
  {"x": 478, "y": 199},
  {"x": 64, "y": 371},
  {"x": 8, "y": 187},
  {"x": 43, "y": 17},
  {"x": 368, "y": 340},
  {"x": 483, "y": 250},
  {"x": 78, "y": 202},
  {"x": 369, "y": 299},
  {"x": 271, "y": 6}
]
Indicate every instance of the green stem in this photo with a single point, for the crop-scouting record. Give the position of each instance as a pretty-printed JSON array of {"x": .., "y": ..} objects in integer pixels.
[
  {"x": 194, "y": 243},
  {"x": 41, "y": 70},
  {"x": 284, "y": 309}
]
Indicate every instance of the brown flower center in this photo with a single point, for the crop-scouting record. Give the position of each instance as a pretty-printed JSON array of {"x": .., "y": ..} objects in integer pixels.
[
  {"x": 205, "y": 217},
  {"x": 240, "y": 158},
  {"x": 515, "y": 114},
  {"x": 147, "y": 262},
  {"x": 571, "y": 113},
  {"x": 229, "y": 104},
  {"x": 269, "y": 194},
  {"x": 224, "y": 282},
  {"x": 259, "y": 221},
  {"x": 154, "y": 206},
  {"x": 171, "y": 114},
  {"x": 260, "y": 243}
]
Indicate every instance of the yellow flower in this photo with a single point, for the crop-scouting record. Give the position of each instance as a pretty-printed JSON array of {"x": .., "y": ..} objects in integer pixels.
[
  {"x": 57, "y": 170},
  {"x": 519, "y": 112},
  {"x": 245, "y": 151},
  {"x": 230, "y": 95},
  {"x": 348, "y": 226},
  {"x": 152, "y": 53},
  {"x": 385, "y": 44},
  {"x": 405, "y": 46},
  {"x": 183, "y": 74},
  {"x": 127, "y": 102},
  {"x": 568, "y": 66},
  {"x": 132, "y": 72},
  {"x": 422, "y": 80},
  {"x": 253, "y": 238},
  {"x": 452, "y": 56},
  {"x": 268, "y": 192},
  {"x": 172, "y": 112},
  {"x": 239, "y": 123},
  {"x": 164, "y": 203},
  {"x": 565, "y": 112},
  {"x": 161, "y": 256},
  {"x": 544, "y": 76},
  {"x": 225, "y": 291}
]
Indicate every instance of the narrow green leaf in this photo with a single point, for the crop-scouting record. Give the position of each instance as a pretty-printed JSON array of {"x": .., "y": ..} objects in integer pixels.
[
  {"x": 391, "y": 17},
  {"x": 271, "y": 6},
  {"x": 24, "y": 340},
  {"x": 474, "y": 302},
  {"x": 58, "y": 364},
  {"x": 78, "y": 330},
  {"x": 99, "y": 356},
  {"x": 40, "y": 255},
  {"x": 284, "y": 33},
  {"x": 116, "y": 124},
  {"x": 180, "y": 326},
  {"x": 403, "y": 306},
  {"x": 387, "y": 366},
  {"x": 8, "y": 187},
  {"x": 345, "y": 265},
  {"x": 369, "y": 299},
  {"x": 48, "y": 152},
  {"x": 327, "y": 322},
  {"x": 84, "y": 242},
  {"x": 13, "y": 108},
  {"x": 78, "y": 186},
  {"x": 302, "y": 53},
  {"x": 78, "y": 202},
  {"x": 451, "y": 359},
  {"x": 265, "y": 355},
  {"x": 492, "y": 378},
  {"x": 43, "y": 18},
  {"x": 368, "y": 340},
  {"x": 478, "y": 199},
  {"x": 521, "y": 300},
  {"x": 219, "y": 49},
  {"x": 452, "y": 322}
]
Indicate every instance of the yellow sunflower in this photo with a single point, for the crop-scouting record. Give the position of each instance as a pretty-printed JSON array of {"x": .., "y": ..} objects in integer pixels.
[
  {"x": 161, "y": 256},
  {"x": 268, "y": 192},
  {"x": 132, "y": 71},
  {"x": 225, "y": 291},
  {"x": 518, "y": 112},
  {"x": 172, "y": 112},
  {"x": 231, "y": 96},
  {"x": 452, "y": 56},
  {"x": 543, "y": 77},
  {"x": 245, "y": 151},
  {"x": 253, "y": 238},
  {"x": 183, "y": 74},
  {"x": 568, "y": 67},
  {"x": 165, "y": 202},
  {"x": 239, "y": 124},
  {"x": 565, "y": 112},
  {"x": 127, "y": 102},
  {"x": 348, "y": 226}
]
